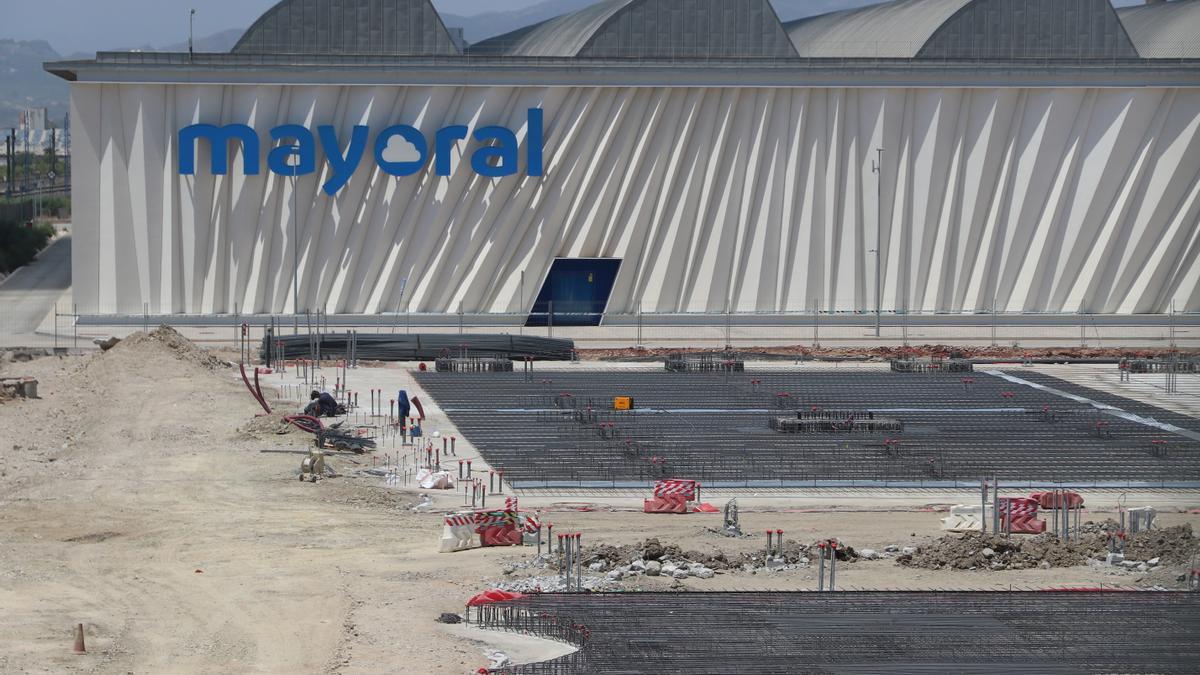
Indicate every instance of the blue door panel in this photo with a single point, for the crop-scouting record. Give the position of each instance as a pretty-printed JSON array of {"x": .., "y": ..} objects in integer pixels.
[{"x": 576, "y": 291}]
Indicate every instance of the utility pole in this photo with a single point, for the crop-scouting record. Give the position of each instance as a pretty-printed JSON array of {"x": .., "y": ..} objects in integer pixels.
[
  {"x": 8, "y": 165},
  {"x": 877, "y": 169},
  {"x": 12, "y": 164},
  {"x": 25, "y": 157},
  {"x": 67, "y": 149}
]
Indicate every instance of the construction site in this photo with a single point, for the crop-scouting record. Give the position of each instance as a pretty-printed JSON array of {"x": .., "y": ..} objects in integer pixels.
[
  {"x": 678, "y": 337},
  {"x": 517, "y": 506}
]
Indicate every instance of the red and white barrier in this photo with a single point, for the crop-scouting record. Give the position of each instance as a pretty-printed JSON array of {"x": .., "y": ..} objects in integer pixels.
[
  {"x": 462, "y": 531},
  {"x": 674, "y": 487},
  {"x": 1051, "y": 500},
  {"x": 1019, "y": 516},
  {"x": 458, "y": 533},
  {"x": 672, "y": 496}
]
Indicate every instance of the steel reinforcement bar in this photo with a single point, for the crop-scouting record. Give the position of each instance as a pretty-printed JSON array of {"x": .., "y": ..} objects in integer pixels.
[
  {"x": 860, "y": 631},
  {"x": 560, "y": 430}
]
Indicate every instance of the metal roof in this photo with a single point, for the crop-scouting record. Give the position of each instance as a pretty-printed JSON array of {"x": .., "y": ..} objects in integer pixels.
[
  {"x": 664, "y": 42},
  {"x": 562, "y": 36},
  {"x": 968, "y": 30},
  {"x": 1164, "y": 30},
  {"x": 336, "y": 27},
  {"x": 653, "y": 29},
  {"x": 889, "y": 30},
  {"x": 1024, "y": 29}
]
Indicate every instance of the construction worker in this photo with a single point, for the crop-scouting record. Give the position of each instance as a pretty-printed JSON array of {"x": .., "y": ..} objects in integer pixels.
[
  {"x": 403, "y": 405},
  {"x": 321, "y": 404}
]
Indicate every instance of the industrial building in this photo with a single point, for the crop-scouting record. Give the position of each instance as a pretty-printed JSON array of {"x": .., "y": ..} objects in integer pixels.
[{"x": 674, "y": 156}]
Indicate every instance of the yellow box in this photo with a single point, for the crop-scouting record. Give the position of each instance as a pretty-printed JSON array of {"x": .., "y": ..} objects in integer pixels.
[{"x": 623, "y": 403}]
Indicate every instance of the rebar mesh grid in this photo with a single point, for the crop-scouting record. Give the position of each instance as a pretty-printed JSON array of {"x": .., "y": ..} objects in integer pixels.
[
  {"x": 860, "y": 632},
  {"x": 560, "y": 430}
]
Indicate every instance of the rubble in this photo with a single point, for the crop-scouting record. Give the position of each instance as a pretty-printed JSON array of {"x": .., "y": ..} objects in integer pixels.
[
  {"x": 653, "y": 558},
  {"x": 1170, "y": 545},
  {"x": 974, "y": 550},
  {"x": 18, "y": 387},
  {"x": 552, "y": 584}
]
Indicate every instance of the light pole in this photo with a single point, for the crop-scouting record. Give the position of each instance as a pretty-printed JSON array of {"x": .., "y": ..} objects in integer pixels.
[
  {"x": 877, "y": 169},
  {"x": 294, "y": 162},
  {"x": 191, "y": 24}
]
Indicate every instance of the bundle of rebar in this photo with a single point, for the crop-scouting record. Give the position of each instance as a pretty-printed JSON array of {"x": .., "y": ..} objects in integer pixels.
[
  {"x": 451, "y": 364},
  {"x": 790, "y": 425},
  {"x": 679, "y": 362},
  {"x": 1168, "y": 365},
  {"x": 415, "y": 346},
  {"x": 932, "y": 365}
]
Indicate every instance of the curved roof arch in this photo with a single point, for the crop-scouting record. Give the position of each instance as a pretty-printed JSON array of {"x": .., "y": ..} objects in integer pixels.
[
  {"x": 1031, "y": 29},
  {"x": 653, "y": 29},
  {"x": 1164, "y": 30},
  {"x": 340, "y": 27},
  {"x": 562, "y": 36},
  {"x": 967, "y": 30},
  {"x": 889, "y": 30}
]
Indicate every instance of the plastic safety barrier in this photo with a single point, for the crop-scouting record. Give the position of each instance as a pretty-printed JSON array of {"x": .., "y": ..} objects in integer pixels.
[
  {"x": 1019, "y": 515},
  {"x": 689, "y": 489},
  {"x": 1050, "y": 500},
  {"x": 666, "y": 504}
]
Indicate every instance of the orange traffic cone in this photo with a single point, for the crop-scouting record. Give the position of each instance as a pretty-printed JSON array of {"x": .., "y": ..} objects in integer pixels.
[{"x": 79, "y": 646}]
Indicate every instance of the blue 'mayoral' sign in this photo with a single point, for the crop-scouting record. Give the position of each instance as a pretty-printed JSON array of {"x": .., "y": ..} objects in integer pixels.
[{"x": 399, "y": 150}]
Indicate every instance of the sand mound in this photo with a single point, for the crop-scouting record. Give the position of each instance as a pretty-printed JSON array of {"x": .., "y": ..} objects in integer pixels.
[
  {"x": 265, "y": 426},
  {"x": 165, "y": 338}
]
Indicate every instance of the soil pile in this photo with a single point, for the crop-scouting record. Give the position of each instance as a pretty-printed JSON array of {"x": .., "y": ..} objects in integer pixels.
[
  {"x": 1174, "y": 545},
  {"x": 168, "y": 339},
  {"x": 266, "y": 426},
  {"x": 985, "y": 551}
]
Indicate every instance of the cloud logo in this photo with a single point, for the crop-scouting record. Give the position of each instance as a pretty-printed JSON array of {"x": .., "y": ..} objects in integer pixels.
[{"x": 400, "y": 150}]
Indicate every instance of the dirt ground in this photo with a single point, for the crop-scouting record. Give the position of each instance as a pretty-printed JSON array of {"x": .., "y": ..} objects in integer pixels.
[{"x": 132, "y": 501}]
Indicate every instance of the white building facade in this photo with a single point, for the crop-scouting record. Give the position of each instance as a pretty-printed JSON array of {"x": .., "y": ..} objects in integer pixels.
[{"x": 721, "y": 159}]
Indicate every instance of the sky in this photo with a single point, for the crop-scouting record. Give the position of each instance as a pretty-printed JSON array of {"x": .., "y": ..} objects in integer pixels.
[{"x": 72, "y": 26}]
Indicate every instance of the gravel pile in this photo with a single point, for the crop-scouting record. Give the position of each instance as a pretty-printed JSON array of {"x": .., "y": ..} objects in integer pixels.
[{"x": 552, "y": 584}]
